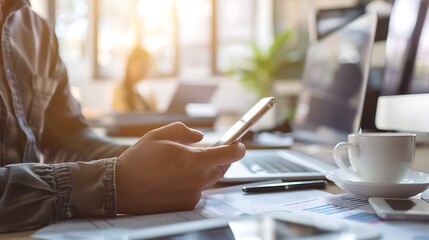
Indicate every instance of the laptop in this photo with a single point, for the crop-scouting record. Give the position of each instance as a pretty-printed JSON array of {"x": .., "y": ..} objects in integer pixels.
[
  {"x": 189, "y": 93},
  {"x": 135, "y": 124},
  {"x": 329, "y": 106}
]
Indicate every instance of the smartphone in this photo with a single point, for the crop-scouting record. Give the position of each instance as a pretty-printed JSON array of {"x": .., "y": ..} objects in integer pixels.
[
  {"x": 400, "y": 208},
  {"x": 249, "y": 119}
]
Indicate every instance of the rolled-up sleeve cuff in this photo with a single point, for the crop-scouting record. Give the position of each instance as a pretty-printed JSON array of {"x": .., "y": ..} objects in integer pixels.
[{"x": 85, "y": 189}]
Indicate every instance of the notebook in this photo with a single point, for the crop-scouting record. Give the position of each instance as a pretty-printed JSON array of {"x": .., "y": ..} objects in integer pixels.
[{"x": 329, "y": 106}]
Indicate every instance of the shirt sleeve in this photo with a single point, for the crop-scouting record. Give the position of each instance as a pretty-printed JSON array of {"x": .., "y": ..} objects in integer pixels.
[{"x": 33, "y": 195}]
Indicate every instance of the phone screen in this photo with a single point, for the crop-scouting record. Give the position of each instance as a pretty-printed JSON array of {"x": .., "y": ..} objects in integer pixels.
[
  {"x": 400, "y": 204},
  {"x": 400, "y": 209},
  {"x": 249, "y": 119}
]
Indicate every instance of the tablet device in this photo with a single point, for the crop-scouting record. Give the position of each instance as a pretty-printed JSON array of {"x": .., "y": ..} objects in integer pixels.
[{"x": 279, "y": 225}]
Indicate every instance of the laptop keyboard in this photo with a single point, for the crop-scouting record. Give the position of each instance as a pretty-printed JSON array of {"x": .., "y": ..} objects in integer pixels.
[{"x": 272, "y": 164}]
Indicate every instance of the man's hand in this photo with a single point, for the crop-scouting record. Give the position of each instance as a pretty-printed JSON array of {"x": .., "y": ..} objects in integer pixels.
[{"x": 160, "y": 173}]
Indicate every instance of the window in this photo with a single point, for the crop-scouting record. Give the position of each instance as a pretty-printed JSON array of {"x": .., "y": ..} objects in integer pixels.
[
  {"x": 72, "y": 27},
  {"x": 116, "y": 33},
  {"x": 235, "y": 24},
  {"x": 157, "y": 28},
  {"x": 194, "y": 32},
  {"x": 187, "y": 38},
  {"x": 293, "y": 14}
]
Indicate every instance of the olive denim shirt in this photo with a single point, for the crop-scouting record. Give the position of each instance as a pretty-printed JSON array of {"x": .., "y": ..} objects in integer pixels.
[{"x": 48, "y": 155}]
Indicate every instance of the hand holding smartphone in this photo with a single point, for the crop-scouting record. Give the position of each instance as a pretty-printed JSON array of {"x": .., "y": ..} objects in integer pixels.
[{"x": 249, "y": 119}]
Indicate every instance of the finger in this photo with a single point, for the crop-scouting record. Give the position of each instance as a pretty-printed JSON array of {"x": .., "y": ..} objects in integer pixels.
[
  {"x": 225, "y": 168},
  {"x": 214, "y": 176},
  {"x": 221, "y": 155},
  {"x": 177, "y": 132}
]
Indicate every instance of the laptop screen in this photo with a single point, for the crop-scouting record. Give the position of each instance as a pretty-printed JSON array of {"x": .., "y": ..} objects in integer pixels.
[
  {"x": 334, "y": 81},
  {"x": 190, "y": 93}
]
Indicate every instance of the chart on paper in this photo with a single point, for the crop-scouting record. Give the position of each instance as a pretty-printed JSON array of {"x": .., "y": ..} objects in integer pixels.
[
  {"x": 353, "y": 208},
  {"x": 347, "y": 207}
]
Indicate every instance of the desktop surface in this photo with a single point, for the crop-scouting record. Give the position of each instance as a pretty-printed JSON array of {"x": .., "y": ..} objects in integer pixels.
[{"x": 420, "y": 164}]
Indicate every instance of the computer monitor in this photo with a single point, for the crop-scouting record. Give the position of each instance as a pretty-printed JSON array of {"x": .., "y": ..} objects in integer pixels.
[
  {"x": 404, "y": 101},
  {"x": 323, "y": 22},
  {"x": 334, "y": 83}
]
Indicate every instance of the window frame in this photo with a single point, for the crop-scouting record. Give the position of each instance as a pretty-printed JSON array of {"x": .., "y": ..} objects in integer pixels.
[{"x": 94, "y": 17}]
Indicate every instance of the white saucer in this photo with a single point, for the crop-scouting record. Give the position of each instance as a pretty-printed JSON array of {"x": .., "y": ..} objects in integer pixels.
[{"x": 414, "y": 182}]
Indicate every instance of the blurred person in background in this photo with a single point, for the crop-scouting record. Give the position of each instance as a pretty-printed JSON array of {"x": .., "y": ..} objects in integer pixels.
[{"x": 126, "y": 96}]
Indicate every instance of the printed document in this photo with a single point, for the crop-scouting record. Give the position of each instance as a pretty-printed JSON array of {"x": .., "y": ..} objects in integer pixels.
[{"x": 214, "y": 203}]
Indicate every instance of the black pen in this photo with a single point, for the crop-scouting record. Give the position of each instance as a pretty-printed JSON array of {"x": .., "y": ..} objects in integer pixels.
[{"x": 275, "y": 187}]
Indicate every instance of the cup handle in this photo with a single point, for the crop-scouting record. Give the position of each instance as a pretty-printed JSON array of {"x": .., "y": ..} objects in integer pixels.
[{"x": 354, "y": 150}]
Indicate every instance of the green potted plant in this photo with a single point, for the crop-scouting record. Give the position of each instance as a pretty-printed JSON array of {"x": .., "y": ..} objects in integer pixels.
[{"x": 263, "y": 67}]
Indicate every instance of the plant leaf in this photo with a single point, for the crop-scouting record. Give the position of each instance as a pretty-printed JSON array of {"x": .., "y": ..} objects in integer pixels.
[{"x": 279, "y": 42}]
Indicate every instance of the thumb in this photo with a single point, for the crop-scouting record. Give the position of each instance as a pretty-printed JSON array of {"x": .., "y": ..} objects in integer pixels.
[{"x": 177, "y": 132}]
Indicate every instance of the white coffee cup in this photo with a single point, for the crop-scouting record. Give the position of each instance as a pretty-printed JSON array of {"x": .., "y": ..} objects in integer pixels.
[{"x": 377, "y": 157}]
